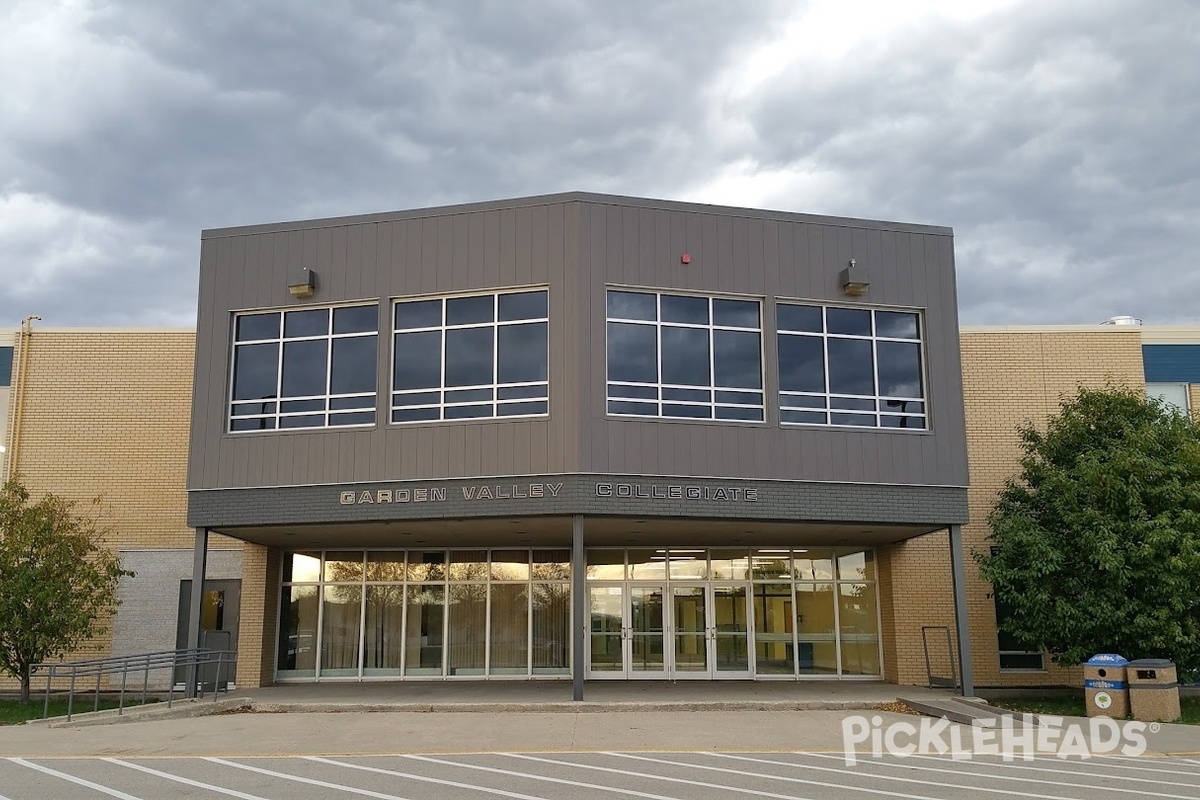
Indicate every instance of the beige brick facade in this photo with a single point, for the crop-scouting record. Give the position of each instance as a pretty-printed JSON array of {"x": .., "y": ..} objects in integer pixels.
[
  {"x": 105, "y": 414},
  {"x": 1010, "y": 377}
]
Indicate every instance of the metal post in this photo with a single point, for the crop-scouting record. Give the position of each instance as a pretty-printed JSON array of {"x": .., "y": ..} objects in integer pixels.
[
  {"x": 199, "y": 564},
  {"x": 958, "y": 574},
  {"x": 578, "y": 619}
]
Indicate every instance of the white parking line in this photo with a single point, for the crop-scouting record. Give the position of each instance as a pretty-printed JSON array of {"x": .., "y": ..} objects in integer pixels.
[
  {"x": 1025, "y": 765},
  {"x": 534, "y": 776},
  {"x": 1148, "y": 760},
  {"x": 743, "y": 773},
  {"x": 73, "y": 779},
  {"x": 310, "y": 781},
  {"x": 425, "y": 778},
  {"x": 959, "y": 772},
  {"x": 181, "y": 779},
  {"x": 723, "y": 787},
  {"x": 798, "y": 765}
]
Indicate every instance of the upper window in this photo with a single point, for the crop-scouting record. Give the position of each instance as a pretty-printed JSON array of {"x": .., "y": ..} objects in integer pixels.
[
  {"x": 470, "y": 357},
  {"x": 310, "y": 368},
  {"x": 850, "y": 366},
  {"x": 1173, "y": 395},
  {"x": 684, "y": 356}
]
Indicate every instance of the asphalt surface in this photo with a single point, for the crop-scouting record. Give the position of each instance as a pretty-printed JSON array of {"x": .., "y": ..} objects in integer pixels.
[{"x": 576, "y": 776}]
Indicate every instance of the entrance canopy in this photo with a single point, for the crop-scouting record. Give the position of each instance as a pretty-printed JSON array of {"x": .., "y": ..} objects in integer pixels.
[{"x": 550, "y": 531}]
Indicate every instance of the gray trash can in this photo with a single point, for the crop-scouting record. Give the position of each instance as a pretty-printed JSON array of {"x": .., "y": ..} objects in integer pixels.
[
  {"x": 1104, "y": 686},
  {"x": 1153, "y": 690}
]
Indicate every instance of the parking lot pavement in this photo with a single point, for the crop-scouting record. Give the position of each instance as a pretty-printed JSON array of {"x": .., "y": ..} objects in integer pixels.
[{"x": 577, "y": 776}]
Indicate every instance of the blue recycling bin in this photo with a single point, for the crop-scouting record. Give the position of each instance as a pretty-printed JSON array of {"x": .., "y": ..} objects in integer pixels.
[{"x": 1105, "y": 686}]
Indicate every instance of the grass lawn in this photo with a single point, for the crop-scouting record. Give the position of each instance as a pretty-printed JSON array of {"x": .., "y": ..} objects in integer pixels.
[
  {"x": 12, "y": 712},
  {"x": 1074, "y": 707}
]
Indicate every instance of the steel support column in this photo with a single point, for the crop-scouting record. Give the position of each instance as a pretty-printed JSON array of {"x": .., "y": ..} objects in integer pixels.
[
  {"x": 578, "y": 618},
  {"x": 199, "y": 568},
  {"x": 958, "y": 575}
]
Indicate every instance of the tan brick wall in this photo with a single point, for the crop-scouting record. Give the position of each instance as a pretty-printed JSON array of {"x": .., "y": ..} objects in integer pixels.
[
  {"x": 260, "y": 614},
  {"x": 1009, "y": 378},
  {"x": 1194, "y": 399},
  {"x": 105, "y": 414}
]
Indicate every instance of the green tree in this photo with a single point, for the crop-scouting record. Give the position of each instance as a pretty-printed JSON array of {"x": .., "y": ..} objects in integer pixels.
[
  {"x": 1096, "y": 543},
  {"x": 56, "y": 580}
]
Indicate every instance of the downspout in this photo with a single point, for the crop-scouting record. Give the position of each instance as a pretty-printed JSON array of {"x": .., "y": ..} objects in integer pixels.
[{"x": 14, "y": 433}]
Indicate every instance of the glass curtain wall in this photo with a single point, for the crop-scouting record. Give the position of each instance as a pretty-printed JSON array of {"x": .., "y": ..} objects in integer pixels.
[
  {"x": 814, "y": 611},
  {"x": 424, "y": 613}
]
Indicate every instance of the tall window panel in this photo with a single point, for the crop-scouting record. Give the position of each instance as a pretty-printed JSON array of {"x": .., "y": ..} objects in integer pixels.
[
  {"x": 684, "y": 356},
  {"x": 310, "y": 368},
  {"x": 850, "y": 366},
  {"x": 470, "y": 357}
]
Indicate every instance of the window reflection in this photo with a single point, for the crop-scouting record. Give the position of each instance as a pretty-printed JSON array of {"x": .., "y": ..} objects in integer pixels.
[
  {"x": 498, "y": 344},
  {"x": 320, "y": 363},
  {"x": 694, "y": 342},
  {"x": 850, "y": 366}
]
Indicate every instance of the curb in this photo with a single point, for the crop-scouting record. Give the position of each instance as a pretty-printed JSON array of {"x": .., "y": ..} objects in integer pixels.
[{"x": 184, "y": 709}]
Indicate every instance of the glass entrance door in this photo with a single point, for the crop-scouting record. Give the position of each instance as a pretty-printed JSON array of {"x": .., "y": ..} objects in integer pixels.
[
  {"x": 730, "y": 627},
  {"x": 692, "y": 632},
  {"x": 710, "y": 631},
  {"x": 647, "y": 632}
]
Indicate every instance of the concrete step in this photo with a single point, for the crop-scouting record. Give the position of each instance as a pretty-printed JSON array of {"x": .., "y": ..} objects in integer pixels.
[{"x": 968, "y": 711}]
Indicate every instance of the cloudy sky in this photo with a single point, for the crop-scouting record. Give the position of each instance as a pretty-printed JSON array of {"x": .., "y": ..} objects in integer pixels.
[{"x": 1059, "y": 138}]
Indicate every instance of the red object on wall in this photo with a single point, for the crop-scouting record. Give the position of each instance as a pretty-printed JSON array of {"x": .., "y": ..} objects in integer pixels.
[{"x": 686, "y": 258}]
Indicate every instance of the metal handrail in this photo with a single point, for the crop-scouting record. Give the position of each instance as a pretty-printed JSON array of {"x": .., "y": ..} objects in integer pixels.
[{"x": 142, "y": 662}]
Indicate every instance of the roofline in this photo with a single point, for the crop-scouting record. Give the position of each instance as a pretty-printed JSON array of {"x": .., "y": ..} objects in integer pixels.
[
  {"x": 573, "y": 197},
  {"x": 14, "y": 332}
]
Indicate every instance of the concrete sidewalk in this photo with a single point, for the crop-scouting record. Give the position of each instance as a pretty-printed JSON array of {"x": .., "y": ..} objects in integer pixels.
[
  {"x": 598, "y": 695},
  {"x": 382, "y": 718}
]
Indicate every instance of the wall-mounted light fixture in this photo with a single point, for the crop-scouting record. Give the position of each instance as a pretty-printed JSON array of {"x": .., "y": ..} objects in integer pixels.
[
  {"x": 302, "y": 283},
  {"x": 855, "y": 280}
]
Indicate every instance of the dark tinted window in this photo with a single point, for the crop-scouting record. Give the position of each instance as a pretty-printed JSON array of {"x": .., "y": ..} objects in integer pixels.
[
  {"x": 802, "y": 363},
  {"x": 685, "y": 356},
  {"x": 482, "y": 344},
  {"x": 632, "y": 305},
  {"x": 688, "y": 349},
  {"x": 469, "y": 356},
  {"x": 521, "y": 353},
  {"x": 682, "y": 308},
  {"x": 851, "y": 367},
  {"x": 417, "y": 360},
  {"x": 306, "y": 323},
  {"x": 420, "y": 314},
  {"x": 799, "y": 318},
  {"x": 522, "y": 305},
  {"x": 897, "y": 325},
  {"x": 257, "y": 326},
  {"x": 632, "y": 353},
  {"x": 470, "y": 310},
  {"x": 255, "y": 367},
  {"x": 735, "y": 313},
  {"x": 848, "y": 321}
]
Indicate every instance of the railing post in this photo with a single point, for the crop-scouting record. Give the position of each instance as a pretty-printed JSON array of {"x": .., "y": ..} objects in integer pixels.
[
  {"x": 71, "y": 693},
  {"x": 146, "y": 680},
  {"x": 46, "y": 705}
]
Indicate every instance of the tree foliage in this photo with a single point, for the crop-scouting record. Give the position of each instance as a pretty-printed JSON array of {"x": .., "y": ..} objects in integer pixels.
[
  {"x": 1097, "y": 541},
  {"x": 57, "y": 579}
]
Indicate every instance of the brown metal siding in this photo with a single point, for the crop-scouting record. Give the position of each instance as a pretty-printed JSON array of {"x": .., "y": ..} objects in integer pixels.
[
  {"x": 770, "y": 259},
  {"x": 378, "y": 260},
  {"x": 577, "y": 245}
]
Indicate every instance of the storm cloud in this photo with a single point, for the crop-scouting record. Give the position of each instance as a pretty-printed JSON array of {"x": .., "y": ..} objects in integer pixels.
[{"x": 1056, "y": 138}]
